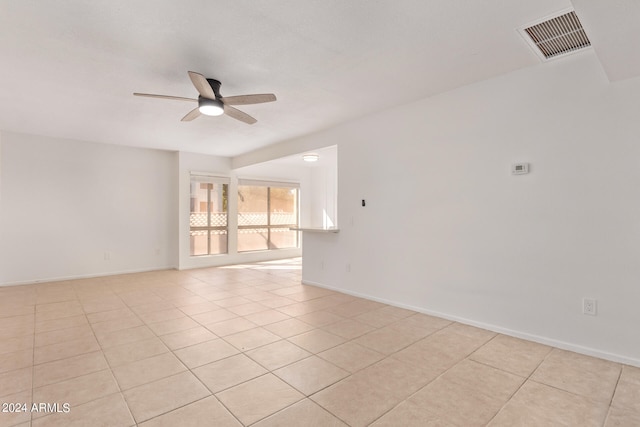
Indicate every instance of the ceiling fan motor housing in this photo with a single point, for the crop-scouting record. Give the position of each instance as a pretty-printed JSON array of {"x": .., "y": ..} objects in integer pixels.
[{"x": 215, "y": 85}]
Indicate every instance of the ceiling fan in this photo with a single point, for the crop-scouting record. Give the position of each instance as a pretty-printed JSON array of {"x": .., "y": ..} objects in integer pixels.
[{"x": 211, "y": 103}]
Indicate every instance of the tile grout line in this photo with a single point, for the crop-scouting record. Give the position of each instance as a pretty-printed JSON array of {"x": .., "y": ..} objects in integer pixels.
[
  {"x": 33, "y": 354},
  {"x": 190, "y": 370},
  {"x": 445, "y": 371},
  {"x": 243, "y": 353},
  {"x": 130, "y": 307},
  {"x": 78, "y": 299},
  {"x": 269, "y": 371},
  {"x": 526, "y": 379},
  {"x": 115, "y": 380},
  {"x": 613, "y": 396}
]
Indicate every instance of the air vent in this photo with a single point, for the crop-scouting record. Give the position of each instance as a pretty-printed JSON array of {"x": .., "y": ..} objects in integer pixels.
[{"x": 557, "y": 36}]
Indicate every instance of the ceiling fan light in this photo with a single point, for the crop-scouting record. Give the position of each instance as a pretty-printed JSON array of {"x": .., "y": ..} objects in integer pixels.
[
  {"x": 311, "y": 157},
  {"x": 210, "y": 107}
]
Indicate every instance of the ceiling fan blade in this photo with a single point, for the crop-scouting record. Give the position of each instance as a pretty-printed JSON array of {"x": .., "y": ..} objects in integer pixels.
[
  {"x": 202, "y": 85},
  {"x": 193, "y": 114},
  {"x": 249, "y": 99},
  {"x": 238, "y": 115},
  {"x": 177, "y": 98}
]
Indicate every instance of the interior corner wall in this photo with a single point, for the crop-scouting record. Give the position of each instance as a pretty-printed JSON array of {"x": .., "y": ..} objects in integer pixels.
[
  {"x": 75, "y": 209},
  {"x": 448, "y": 230}
]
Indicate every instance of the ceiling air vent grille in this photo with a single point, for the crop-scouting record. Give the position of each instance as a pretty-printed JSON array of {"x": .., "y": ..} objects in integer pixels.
[{"x": 557, "y": 36}]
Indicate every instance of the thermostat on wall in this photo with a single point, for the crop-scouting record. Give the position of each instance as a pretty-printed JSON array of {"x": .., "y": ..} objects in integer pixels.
[{"x": 519, "y": 168}]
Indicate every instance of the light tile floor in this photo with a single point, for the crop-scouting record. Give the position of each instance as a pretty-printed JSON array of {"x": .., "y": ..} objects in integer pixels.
[{"x": 249, "y": 345}]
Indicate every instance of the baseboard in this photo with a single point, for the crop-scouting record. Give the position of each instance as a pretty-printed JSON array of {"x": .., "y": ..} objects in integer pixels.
[
  {"x": 85, "y": 276},
  {"x": 495, "y": 328}
]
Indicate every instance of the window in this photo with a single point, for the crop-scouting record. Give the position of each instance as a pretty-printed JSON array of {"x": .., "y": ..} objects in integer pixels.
[
  {"x": 266, "y": 211},
  {"x": 208, "y": 218}
]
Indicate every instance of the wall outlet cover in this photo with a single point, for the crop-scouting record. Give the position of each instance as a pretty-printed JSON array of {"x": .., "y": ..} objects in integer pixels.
[{"x": 590, "y": 306}]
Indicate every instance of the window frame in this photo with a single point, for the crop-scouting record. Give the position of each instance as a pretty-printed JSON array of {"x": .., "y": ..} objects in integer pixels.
[{"x": 202, "y": 178}]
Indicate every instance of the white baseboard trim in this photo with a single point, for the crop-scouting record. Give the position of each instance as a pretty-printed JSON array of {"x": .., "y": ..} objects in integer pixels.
[
  {"x": 85, "y": 276},
  {"x": 495, "y": 328}
]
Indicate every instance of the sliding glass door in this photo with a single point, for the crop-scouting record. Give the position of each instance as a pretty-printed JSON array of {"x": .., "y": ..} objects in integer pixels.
[{"x": 266, "y": 211}]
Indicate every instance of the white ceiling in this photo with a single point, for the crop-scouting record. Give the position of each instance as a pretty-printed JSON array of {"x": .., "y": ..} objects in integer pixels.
[{"x": 68, "y": 68}]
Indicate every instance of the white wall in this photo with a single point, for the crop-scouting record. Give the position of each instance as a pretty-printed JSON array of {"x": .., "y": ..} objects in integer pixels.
[
  {"x": 447, "y": 230},
  {"x": 324, "y": 191},
  {"x": 65, "y": 204}
]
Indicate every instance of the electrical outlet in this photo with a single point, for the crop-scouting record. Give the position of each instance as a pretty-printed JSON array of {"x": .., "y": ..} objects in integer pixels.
[
  {"x": 590, "y": 306},
  {"x": 348, "y": 268},
  {"x": 107, "y": 256}
]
